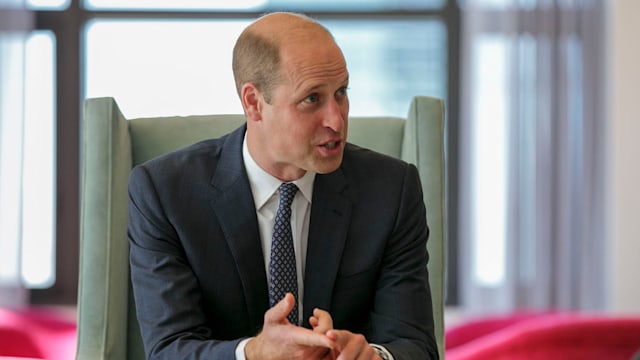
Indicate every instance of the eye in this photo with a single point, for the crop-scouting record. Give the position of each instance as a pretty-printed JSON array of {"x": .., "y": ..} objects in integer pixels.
[
  {"x": 342, "y": 91},
  {"x": 313, "y": 98}
]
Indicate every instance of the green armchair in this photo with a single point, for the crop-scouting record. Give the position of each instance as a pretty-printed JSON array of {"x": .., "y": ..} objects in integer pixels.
[{"x": 112, "y": 145}]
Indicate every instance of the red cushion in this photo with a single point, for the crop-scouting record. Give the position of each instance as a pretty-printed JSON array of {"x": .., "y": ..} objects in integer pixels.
[
  {"x": 556, "y": 337},
  {"x": 475, "y": 328},
  {"x": 36, "y": 333},
  {"x": 15, "y": 342}
]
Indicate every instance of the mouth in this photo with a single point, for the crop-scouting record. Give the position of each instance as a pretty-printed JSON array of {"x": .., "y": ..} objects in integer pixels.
[{"x": 331, "y": 144}]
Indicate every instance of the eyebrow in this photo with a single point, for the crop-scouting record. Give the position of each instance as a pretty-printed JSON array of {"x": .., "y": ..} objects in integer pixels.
[{"x": 315, "y": 87}]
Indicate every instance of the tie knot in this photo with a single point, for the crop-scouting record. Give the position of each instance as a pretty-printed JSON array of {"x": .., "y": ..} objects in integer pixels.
[{"x": 287, "y": 193}]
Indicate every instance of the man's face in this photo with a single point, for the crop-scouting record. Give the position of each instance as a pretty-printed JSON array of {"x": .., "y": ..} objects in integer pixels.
[{"x": 305, "y": 126}]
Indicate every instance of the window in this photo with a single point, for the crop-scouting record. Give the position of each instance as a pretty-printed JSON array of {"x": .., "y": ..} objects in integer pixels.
[
  {"x": 38, "y": 187},
  {"x": 488, "y": 146},
  {"x": 48, "y": 4},
  {"x": 262, "y": 5},
  {"x": 27, "y": 158},
  {"x": 184, "y": 66}
]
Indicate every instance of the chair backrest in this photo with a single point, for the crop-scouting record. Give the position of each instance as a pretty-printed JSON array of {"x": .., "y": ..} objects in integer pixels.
[{"x": 112, "y": 145}]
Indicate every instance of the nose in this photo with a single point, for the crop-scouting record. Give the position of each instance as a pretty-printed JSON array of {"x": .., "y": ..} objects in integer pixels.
[{"x": 335, "y": 115}]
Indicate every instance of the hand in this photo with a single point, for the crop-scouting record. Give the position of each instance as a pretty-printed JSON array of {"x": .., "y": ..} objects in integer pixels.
[
  {"x": 280, "y": 339},
  {"x": 349, "y": 345}
]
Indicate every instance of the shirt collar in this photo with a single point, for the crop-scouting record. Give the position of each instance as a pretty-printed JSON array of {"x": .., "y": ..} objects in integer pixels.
[{"x": 264, "y": 185}]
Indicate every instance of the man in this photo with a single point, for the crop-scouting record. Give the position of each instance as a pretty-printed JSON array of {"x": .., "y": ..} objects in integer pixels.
[{"x": 202, "y": 223}]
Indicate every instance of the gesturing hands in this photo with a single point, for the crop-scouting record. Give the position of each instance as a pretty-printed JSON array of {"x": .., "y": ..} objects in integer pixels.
[
  {"x": 348, "y": 346},
  {"x": 280, "y": 339}
]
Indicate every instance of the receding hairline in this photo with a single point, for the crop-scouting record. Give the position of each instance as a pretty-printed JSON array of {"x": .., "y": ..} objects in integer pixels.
[{"x": 275, "y": 31}]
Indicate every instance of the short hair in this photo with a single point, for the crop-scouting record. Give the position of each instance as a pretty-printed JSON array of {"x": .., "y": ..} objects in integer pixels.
[{"x": 256, "y": 59}]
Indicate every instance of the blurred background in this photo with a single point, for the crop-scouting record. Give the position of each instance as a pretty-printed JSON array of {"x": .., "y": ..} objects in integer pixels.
[{"x": 541, "y": 136}]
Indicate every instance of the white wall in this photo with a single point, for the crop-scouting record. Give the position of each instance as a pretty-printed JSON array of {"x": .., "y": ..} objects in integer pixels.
[{"x": 624, "y": 155}]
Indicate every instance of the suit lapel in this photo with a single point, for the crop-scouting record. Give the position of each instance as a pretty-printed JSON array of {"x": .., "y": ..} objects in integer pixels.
[
  {"x": 330, "y": 214},
  {"x": 233, "y": 204}
]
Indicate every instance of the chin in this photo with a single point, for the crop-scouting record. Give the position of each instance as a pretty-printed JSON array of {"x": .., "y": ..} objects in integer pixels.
[{"x": 327, "y": 167}]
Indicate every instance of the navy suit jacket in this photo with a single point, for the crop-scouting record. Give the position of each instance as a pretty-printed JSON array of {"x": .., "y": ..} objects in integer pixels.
[{"x": 198, "y": 270}]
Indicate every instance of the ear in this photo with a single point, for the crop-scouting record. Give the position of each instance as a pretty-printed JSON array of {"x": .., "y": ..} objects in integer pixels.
[{"x": 251, "y": 97}]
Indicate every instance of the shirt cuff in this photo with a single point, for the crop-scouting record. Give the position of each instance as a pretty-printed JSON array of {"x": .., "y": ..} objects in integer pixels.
[
  {"x": 383, "y": 352},
  {"x": 240, "y": 349}
]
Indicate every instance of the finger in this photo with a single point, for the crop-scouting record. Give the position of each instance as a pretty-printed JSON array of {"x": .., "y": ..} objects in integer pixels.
[
  {"x": 313, "y": 321},
  {"x": 323, "y": 321},
  {"x": 352, "y": 346},
  {"x": 305, "y": 337},
  {"x": 279, "y": 312},
  {"x": 339, "y": 340}
]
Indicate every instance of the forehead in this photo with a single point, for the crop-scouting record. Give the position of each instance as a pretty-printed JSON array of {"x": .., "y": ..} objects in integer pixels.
[{"x": 313, "y": 61}]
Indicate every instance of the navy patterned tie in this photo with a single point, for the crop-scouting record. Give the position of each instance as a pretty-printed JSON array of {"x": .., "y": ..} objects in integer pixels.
[{"x": 282, "y": 267}]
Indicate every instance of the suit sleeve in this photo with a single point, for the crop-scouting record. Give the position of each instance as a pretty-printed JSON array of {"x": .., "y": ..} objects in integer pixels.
[
  {"x": 166, "y": 292},
  {"x": 402, "y": 318}
]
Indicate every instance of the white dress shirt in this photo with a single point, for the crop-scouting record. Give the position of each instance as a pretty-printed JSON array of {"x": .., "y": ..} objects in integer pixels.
[{"x": 266, "y": 197}]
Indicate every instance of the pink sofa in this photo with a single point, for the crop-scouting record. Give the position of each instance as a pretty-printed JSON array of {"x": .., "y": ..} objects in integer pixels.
[
  {"x": 545, "y": 336},
  {"x": 36, "y": 333}
]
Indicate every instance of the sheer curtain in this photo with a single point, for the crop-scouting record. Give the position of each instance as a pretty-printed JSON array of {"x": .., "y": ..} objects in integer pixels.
[
  {"x": 533, "y": 140},
  {"x": 15, "y": 23}
]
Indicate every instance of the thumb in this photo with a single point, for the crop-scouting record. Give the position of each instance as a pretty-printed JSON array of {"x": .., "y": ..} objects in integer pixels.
[{"x": 279, "y": 312}]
